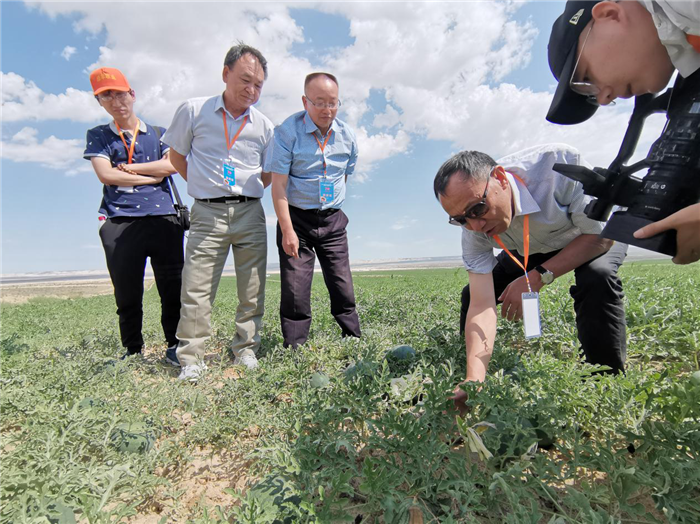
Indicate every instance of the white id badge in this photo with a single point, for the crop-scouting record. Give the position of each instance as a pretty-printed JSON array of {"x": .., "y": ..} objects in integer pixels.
[
  {"x": 326, "y": 192},
  {"x": 229, "y": 174},
  {"x": 531, "y": 315}
]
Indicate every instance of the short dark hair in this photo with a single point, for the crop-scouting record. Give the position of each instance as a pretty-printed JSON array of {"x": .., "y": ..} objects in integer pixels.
[
  {"x": 312, "y": 76},
  {"x": 237, "y": 51},
  {"x": 468, "y": 164}
]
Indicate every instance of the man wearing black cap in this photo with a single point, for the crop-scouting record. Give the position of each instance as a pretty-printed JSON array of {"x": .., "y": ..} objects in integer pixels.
[{"x": 600, "y": 51}]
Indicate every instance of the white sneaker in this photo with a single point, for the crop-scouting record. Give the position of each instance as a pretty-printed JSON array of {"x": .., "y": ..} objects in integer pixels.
[
  {"x": 192, "y": 372},
  {"x": 248, "y": 361}
]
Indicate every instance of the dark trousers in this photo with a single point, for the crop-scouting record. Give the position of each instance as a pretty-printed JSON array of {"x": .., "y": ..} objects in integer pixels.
[
  {"x": 326, "y": 236},
  {"x": 597, "y": 294},
  {"x": 127, "y": 242}
]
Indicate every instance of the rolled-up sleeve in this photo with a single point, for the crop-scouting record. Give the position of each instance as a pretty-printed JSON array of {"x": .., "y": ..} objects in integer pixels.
[
  {"x": 180, "y": 133},
  {"x": 477, "y": 253}
]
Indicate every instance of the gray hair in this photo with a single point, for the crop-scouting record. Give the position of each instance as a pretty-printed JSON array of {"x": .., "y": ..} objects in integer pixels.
[
  {"x": 237, "y": 51},
  {"x": 470, "y": 165}
]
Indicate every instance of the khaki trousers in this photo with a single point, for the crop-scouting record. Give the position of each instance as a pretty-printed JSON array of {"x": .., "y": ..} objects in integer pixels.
[{"x": 215, "y": 228}]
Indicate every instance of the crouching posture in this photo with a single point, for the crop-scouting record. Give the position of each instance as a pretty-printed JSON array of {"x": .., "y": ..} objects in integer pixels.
[{"x": 537, "y": 217}]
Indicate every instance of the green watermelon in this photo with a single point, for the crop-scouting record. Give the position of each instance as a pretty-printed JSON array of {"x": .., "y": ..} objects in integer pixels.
[
  {"x": 319, "y": 380},
  {"x": 274, "y": 495},
  {"x": 360, "y": 369},
  {"x": 91, "y": 403},
  {"x": 401, "y": 353},
  {"x": 133, "y": 437},
  {"x": 695, "y": 378}
]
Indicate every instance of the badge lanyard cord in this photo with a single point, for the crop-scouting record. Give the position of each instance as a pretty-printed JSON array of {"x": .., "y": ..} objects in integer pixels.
[
  {"x": 229, "y": 144},
  {"x": 323, "y": 146},
  {"x": 130, "y": 149},
  {"x": 526, "y": 243}
]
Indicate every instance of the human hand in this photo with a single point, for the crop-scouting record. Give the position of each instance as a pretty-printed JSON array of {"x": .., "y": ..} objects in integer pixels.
[
  {"x": 512, "y": 298},
  {"x": 125, "y": 169},
  {"x": 459, "y": 398},
  {"x": 290, "y": 244},
  {"x": 686, "y": 222}
]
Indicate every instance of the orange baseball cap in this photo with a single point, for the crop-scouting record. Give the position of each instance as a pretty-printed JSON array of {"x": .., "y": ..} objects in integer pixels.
[{"x": 106, "y": 78}]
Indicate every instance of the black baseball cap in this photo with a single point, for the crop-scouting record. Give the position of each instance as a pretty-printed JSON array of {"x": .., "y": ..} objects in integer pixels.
[{"x": 568, "y": 107}]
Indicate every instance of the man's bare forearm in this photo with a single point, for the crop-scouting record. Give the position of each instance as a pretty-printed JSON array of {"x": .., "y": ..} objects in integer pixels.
[
  {"x": 279, "y": 200},
  {"x": 179, "y": 162},
  {"x": 479, "y": 336}
]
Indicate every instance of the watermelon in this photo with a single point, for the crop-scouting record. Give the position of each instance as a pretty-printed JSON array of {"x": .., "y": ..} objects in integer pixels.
[
  {"x": 275, "y": 497},
  {"x": 401, "y": 353},
  {"x": 360, "y": 369},
  {"x": 319, "y": 380},
  {"x": 133, "y": 437},
  {"x": 695, "y": 378}
]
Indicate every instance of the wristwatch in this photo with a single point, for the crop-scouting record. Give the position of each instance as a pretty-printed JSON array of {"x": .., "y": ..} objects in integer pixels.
[{"x": 545, "y": 274}]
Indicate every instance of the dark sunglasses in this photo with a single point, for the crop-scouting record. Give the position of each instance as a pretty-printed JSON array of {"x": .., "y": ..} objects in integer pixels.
[{"x": 475, "y": 211}]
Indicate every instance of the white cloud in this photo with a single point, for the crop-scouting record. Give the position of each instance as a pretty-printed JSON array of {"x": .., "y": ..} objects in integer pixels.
[
  {"x": 438, "y": 64},
  {"x": 403, "y": 223},
  {"x": 67, "y": 52},
  {"x": 389, "y": 118},
  {"x": 22, "y": 100},
  {"x": 52, "y": 152}
]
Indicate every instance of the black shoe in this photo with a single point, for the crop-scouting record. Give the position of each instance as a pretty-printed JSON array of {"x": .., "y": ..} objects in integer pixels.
[{"x": 130, "y": 353}]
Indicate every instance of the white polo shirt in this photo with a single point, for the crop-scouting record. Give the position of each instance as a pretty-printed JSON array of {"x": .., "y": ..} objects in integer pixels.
[
  {"x": 197, "y": 132},
  {"x": 554, "y": 203}
]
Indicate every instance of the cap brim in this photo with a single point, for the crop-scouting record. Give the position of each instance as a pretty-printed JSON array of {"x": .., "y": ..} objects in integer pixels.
[
  {"x": 111, "y": 88},
  {"x": 568, "y": 107}
]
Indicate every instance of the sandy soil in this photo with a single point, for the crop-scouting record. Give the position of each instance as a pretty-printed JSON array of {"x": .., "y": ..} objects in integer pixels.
[{"x": 21, "y": 293}]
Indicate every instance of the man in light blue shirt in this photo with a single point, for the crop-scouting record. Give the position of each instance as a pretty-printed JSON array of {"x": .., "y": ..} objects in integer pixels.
[{"x": 310, "y": 159}]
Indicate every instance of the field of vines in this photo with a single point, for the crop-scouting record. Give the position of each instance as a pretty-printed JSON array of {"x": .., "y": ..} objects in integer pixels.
[{"x": 87, "y": 437}]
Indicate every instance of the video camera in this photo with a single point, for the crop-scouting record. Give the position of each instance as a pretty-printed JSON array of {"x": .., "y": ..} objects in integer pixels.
[{"x": 673, "y": 179}]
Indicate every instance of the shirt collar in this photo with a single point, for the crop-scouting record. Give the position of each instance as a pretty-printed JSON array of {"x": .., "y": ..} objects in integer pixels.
[
  {"x": 523, "y": 202},
  {"x": 142, "y": 128},
  {"x": 310, "y": 127},
  {"x": 220, "y": 105}
]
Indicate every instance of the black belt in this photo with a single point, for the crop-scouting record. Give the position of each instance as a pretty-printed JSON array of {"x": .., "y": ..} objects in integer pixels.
[
  {"x": 225, "y": 199},
  {"x": 320, "y": 212}
]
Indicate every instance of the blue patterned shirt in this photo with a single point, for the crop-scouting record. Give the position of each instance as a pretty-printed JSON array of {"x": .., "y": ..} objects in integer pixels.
[{"x": 130, "y": 201}]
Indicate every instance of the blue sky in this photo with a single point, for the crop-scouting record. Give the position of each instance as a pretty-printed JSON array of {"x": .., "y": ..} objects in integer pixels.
[{"x": 419, "y": 82}]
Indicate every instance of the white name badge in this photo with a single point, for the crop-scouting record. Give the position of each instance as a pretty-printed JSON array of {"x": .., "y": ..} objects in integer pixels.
[
  {"x": 531, "y": 315},
  {"x": 326, "y": 191},
  {"x": 229, "y": 174}
]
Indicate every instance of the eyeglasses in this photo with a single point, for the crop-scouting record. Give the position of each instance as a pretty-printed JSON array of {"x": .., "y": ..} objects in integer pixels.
[
  {"x": 475, "y": 211},
  {"x": 587, "y": 89},
  {"x": 323, "y": 105},
  {"x": 121, "y": 96}
]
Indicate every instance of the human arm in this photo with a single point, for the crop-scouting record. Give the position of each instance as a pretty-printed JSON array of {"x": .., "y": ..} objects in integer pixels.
[
  {"x": 179, "y": 162},
  {"x": 579, "y": 251},
  {"x": 290, "y": 241},
  {"x": 479, "y": 332},
  {"x": 686, "y": 222},
  {"x": 160, "y": 168},
  {"x": 111, "y": 176},
  {"x": 266, "y": 178}
]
